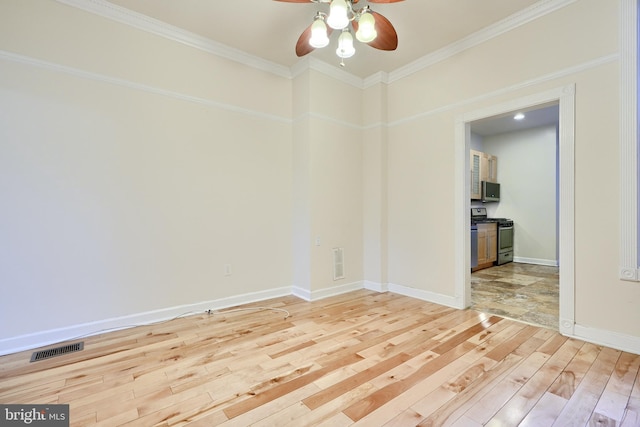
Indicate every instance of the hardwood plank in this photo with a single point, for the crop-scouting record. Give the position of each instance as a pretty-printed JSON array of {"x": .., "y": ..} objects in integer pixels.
[
  {"x": 465, "y": 334},
  {"x": 357, "y": 359},
  {"x": 465, "y": 422},
  {"x": 332, "y": 410},
  {"x": 491, "y": 403},
  {"x": 613, "y": 401},
  {"x": 274, "y": 392},
  {"x": 632, "y": 411},
  {"x": 583, "y": 401},
  {"x": 566, "y": 383},
  {"x": 458, "y": 407},
  {"x": 501, "y": 351},
  {"x": 448, "y": 392},
  {"x": 375, "y": 400},
  {"x": 517, "y": 408},
  {"x": 354, "y": 381},
  {"x": 631, "y": 417},
  {"x": 544, "y": 413},
  {"x": 275, "y": 412}
]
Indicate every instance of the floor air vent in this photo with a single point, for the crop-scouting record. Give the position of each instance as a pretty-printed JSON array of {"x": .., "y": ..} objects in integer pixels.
[{"x": 58, "y": 351}]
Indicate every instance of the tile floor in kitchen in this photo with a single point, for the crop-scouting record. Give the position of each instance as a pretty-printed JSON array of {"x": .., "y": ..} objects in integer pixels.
[{"x": 525, "y": 292}]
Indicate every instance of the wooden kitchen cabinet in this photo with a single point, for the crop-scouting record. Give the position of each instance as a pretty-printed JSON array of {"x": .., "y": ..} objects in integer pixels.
[
  {"x": 484, "y": 167},
  {"x": 475, "y": 160},
  {"x": 489, "y": 168},
  {"x": 487, "y": 244}
]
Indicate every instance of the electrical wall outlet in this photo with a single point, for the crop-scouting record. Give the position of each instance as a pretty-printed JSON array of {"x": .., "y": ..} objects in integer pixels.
[{"x": 227, "y": 269}]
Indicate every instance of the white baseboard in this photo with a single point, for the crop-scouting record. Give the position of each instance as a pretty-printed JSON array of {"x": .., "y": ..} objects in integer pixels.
[
  {"x": 426, "y": 296},
  {"x": 615, "y": 340},
  {"x": 536, "y": 261},
  {"x": 74, "y": 332},
  {"x": 53, "y": 336},
  {"x": 375, "y": 286},
  {"x": 319, "y": 294}
]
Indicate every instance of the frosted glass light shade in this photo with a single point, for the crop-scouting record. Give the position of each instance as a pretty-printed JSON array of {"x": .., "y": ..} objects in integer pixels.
[
  {"x": 338, "y": 15},
  {"x": 319, "y": 36},
  {"x": 366, "y": 28},
  {"x": 345, "y": 45}
]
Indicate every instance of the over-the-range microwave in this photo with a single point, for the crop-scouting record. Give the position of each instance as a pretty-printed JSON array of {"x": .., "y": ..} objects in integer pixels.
[{"x": 490, "y": 191}]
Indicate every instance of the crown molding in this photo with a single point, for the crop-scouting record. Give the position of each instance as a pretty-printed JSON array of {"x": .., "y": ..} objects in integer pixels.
[
  {"x": 142, "y": 22},
  {"x": 377, "y": 78},
  {"x": 535, "y": 11},
  {"x": 137, "y": 20}
]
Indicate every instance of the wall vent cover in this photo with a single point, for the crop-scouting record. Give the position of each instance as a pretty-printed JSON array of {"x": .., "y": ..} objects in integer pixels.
[
  {"x": 58, "y": 351},
  {"x": 338, "y": 263}
]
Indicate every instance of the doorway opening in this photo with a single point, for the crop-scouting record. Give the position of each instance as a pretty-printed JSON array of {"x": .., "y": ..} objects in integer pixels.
[
  {"x": 519, "y": 278},
  {"x": 564, "y": 99}
]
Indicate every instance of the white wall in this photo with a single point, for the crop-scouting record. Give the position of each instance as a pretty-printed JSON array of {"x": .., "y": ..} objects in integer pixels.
[
  {"x": 328, "y": 180},
  {"x": 476, "y": 142},
  {"x": 135, "y": 169},
  {"x": 132, "y": 169},
  {"x": 575, "y": 45},
  {"x": 528, "y": 192}
]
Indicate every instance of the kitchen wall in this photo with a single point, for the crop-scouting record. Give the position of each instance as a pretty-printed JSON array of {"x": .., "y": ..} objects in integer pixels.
[{"x": 527, "y": 163}]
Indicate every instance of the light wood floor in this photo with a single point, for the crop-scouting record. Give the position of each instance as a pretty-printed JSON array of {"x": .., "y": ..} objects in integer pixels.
[{"x": 362, "y": 358}]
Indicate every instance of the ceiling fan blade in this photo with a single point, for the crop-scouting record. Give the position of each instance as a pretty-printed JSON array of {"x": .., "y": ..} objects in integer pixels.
[
  {"x": 302, "y": 46},
  {"x": 382, "y": 1},
  {"x": 295, "y": 1},
  {"x": 387, "y": 37}
]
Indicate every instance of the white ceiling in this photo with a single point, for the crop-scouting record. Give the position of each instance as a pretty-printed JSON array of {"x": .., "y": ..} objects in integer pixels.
[
  {"x": 270, "y": 29},
  {"x": 541, "y": 115}
]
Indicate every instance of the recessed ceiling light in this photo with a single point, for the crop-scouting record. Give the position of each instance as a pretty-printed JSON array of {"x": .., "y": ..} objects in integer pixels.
[{"x": 518, "y": 116}]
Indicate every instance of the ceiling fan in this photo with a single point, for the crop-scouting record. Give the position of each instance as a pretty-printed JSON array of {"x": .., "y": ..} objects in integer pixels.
[{"x": 370, "y": 27}]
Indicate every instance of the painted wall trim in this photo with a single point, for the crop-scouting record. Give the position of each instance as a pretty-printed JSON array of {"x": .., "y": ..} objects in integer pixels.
[
  {"x": 616, "y": 340},
  {"x": 142, "y": 22},
  {"x": 57, "y": 68},
  {"x": 319, "y": 294},
  {"x": 53, "y": 336},
  {"x": 565, "y": 96},
  {"x": 423, "y": 295},
  {"x": 377, "y": 78},
  {"x": 375, "y": 286},
  {"x": 629, "y": 263},
  {"x": 145, "y": 23},
  {"x": 536, "y": 261},
  {"x": 311, "y": 115},
  {"x": 516, "y": 20}
]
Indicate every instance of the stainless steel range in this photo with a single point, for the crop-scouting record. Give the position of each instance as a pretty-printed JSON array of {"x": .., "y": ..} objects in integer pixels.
[
  {"x": 505, "y": 233},
  {"x": 505, "y": 240}
]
